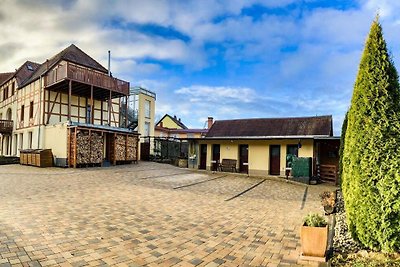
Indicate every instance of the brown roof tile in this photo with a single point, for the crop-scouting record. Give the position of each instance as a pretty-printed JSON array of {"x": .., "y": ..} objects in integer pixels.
[
  {"x": 272, "y": 127},
  {"x": 5, "y": 76},
  {"x": 22, "y": 73}
]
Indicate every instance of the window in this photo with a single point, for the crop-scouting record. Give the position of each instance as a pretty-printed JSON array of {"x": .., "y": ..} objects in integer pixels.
[
  {"x": 22, "y": 112},
  {"x": 30, "y": 135},
  {"x": 147, "y": 129},
  {"x": 21, "y": 141},
  {"x": 31, "y": 110},
  {"x": 291, "y": 150},
  {"x": 12, "y": 88},
  {"x": 147, "y": 109},
  {"x": 5, "y": 93}
]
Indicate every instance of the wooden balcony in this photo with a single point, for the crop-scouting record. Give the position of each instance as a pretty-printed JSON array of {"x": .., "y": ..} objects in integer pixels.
[
  {"x": 82, "y": 79},
  {"x": 6, "y": 126}
]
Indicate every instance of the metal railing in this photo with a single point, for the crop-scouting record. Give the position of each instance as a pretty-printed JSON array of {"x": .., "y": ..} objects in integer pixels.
[{"x": 6, "y": 126}]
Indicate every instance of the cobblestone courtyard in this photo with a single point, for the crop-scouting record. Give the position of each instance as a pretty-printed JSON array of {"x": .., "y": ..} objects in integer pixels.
[{"x": 147, "y": 215}]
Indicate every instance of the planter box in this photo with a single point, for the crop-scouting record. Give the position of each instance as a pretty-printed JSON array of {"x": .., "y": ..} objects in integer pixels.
[
  {"x": 182, "y": 163},
  {"x": 314, "y": 242}
]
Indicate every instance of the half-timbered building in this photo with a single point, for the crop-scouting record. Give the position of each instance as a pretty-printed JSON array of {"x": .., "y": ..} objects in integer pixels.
[{"x": 69, "y": 104}]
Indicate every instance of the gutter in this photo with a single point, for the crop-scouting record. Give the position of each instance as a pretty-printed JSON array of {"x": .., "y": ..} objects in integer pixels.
[{"x": 267, "y": 137}]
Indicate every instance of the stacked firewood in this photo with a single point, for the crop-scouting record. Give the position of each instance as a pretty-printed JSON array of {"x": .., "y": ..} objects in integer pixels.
[
  {"x": 89, "y": 148},
  {"x": 132, "y": 148},
  {"x": 82, "y": 147},
  {"x": 96, "y": 145},
  {"x": 120, "y": 147}
]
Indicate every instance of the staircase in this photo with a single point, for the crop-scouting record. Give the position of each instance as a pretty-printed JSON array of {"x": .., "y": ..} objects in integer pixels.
[{"x": 132, "y": 118}]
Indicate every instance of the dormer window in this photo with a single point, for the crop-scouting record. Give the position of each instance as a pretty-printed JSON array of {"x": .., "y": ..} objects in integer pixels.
[{"x": 29, "y": 67}]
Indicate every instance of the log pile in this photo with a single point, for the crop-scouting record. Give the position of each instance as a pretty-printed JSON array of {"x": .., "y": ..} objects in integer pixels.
[
  {"x": 132, "y": 148},
  {"x": 86, "y": 147},
  {"x": 120, "y": 148},
  {"x": 89, "y": 147},
  {"x": 82, "y": 147},
  {"x": 96, "y": 144}
]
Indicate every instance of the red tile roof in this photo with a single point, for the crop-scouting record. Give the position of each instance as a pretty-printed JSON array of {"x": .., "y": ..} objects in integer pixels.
[{"x": 272, "y": 128}]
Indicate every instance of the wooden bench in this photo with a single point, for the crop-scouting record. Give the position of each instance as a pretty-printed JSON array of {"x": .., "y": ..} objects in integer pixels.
[{"x": 228, "y": 164}]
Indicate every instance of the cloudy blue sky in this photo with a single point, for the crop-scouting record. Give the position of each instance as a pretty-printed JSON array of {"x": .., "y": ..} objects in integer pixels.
[{"x": 226, "y": 59}]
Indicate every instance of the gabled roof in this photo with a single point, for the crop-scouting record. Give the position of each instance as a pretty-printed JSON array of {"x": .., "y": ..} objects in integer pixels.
[
  {"x": 25, "y": 71},
  {"x": 174, "y": 119},
  {"x": 72, "y": 54},
  {"x": 5, "y": 77},
  {"x": 272, "y": 128},
  {"x": 22, "y": 73}
]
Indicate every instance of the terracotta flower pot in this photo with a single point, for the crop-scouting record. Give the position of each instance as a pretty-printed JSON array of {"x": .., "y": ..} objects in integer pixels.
[
  {"x": 329, "y": 209},
  {"x": 314, "y": 241}
]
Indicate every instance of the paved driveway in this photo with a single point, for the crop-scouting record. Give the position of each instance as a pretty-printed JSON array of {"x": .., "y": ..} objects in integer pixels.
[{"x": 149, "y": 214}]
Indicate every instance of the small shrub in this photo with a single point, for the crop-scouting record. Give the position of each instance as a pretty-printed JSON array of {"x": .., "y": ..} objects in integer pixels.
[
  {"x": 327, "y": 198},
  {"x": 315, "y": 220}
]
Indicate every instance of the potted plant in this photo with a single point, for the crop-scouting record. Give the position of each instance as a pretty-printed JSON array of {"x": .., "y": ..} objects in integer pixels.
[
  {"x": 314, "y": 237},
  {"x": 328, "y": 201}
]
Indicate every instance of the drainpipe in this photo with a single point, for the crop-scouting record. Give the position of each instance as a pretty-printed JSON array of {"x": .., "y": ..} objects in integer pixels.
[{"x": 40, "y": 107}]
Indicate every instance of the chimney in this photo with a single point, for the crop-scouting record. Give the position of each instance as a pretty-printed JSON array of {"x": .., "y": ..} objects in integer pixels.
[
  {"x": 210, "y": 122},
  {"x": 109, "y": 62},
  {"x": 175, "y": 117},
  {"x": 179, "y": 119}
]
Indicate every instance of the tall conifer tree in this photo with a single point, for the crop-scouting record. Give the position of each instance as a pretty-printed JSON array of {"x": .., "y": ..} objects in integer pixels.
[{"x": 371, "y": 158}]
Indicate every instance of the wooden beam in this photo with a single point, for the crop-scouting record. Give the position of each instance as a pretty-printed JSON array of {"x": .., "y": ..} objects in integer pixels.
[
  {"x": 79, "y": 108},
  {"x": 126, "y": 111},
  {"x": 91, "y": 105},
  {"x": 52, "y": 107},
  {"x": 109, "y": 109},
  {"x": 69, "y": 100},
  {"x": 101, "y": 114},
  {"x": 75, "y": 152}
]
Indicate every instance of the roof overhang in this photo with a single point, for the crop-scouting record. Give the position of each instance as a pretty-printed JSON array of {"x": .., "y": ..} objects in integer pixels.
[
  {"x": 101, "y": 127},
  {"x": 266, "y": 137}
]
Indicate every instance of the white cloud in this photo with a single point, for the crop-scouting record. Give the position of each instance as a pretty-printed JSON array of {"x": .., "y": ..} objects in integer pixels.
[{"x": 217, "y": 94}]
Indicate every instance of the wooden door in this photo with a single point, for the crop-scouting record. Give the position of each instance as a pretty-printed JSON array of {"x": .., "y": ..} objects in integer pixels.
[
  {"x": 216, "y": 153},
  {"x": 203, "y": 157},
  {"x": 145, "y": 151},
  {"x": 274, "y": 159},
  {"x": 244, "y": 158}
]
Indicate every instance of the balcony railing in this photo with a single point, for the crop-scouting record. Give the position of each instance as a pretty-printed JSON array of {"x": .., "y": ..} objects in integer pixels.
[
  {"x": 87, "y": 76},
  {"x": 6, "y": 126}
]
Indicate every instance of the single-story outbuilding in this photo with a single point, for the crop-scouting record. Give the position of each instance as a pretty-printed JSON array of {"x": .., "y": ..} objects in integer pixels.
[{"x": 260, "y": 146}]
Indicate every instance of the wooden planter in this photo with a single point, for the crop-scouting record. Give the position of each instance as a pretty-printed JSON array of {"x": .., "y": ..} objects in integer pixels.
[{"x": 314, "y": 242}]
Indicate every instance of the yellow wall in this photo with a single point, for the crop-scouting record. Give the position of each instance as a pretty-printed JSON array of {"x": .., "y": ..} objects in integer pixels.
[
  {"x": 78, "y": 109},
  {"x": 169, "y": 123},
  {"x": 56, "y": 139},
  {"x": 168, "y": 133},
  {"x": 258, "y": 152},
  {"x": 142, "y": 119}
]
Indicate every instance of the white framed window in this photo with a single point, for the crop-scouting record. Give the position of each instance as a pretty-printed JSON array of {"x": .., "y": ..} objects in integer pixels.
[
  {"x": 147, "y": 110},
  {"x": 21, "y": 141},
  {"x": 30, "y": 139},
  {"x": 147, "y": 128}
]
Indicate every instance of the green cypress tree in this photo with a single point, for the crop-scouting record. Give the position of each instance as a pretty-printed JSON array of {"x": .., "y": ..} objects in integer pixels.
[
  {"x": 342, "y": 141},
  {"x": 371, "y": 158}
]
